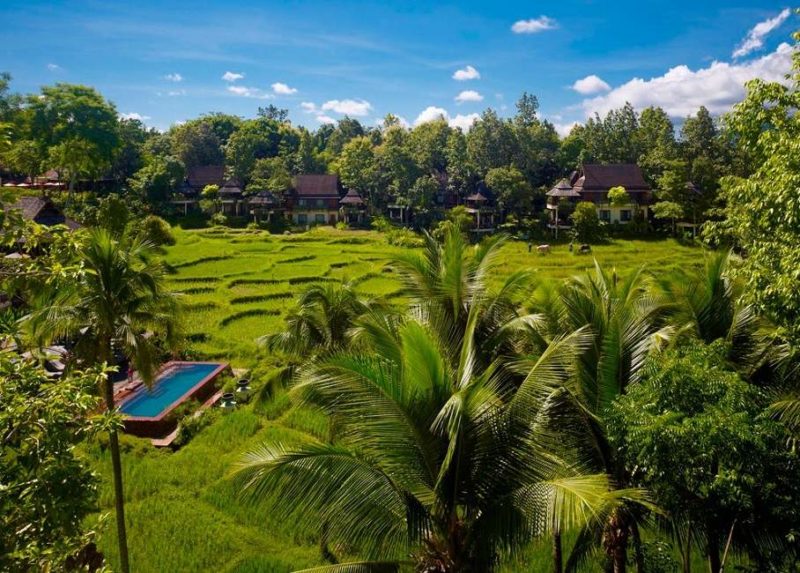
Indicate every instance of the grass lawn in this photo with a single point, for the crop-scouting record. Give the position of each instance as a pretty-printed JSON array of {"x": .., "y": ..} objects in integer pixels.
[{"x": 183, "y": 513}]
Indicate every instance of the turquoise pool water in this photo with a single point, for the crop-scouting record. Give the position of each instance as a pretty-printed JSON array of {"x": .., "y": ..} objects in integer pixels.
[{"x": 169, "y": 387}]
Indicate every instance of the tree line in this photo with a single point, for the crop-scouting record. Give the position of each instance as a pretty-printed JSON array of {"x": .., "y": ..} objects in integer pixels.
[{"x": 76, "y": 131}]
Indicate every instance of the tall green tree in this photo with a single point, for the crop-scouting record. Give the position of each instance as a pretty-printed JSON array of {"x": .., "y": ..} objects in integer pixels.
[
  {"x": 357, "y": 165},
  {"x": 196, "y": 143},
  {"x": 512, "y": 191},
  {"x": 117, "y": 301},
  {"x": 698, "y": 437},
  {"x": 76, "y": 128},
  {"x": 48, "y": 491},
  {"x": 491, "y": 142}
]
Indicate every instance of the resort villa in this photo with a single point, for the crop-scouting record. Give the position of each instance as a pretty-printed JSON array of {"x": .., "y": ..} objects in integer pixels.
[
  {"x": 592, "y": 183},
  {"x": 314, "y": 200}
]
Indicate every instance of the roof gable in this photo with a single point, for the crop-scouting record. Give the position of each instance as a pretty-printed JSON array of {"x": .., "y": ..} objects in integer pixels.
[
  {"x": 203, "y": 175},
  {"x": 596, "y": 177},
  {"x": 317, "y": 185}
]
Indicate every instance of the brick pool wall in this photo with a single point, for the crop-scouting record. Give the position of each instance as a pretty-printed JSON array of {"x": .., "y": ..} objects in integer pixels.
[{"x": 161, "y": 425}]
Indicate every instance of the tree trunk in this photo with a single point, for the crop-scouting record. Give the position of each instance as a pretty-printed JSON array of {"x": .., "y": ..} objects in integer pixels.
[
  {"x": 119, "y": 501},
  {"x": 637, "y": 547},
  {"x": 615, "y": 541},
  {"x": 687, "y": 554},
  {"x": 712, "y": 551},
  {"x": 558, "y": 555}
]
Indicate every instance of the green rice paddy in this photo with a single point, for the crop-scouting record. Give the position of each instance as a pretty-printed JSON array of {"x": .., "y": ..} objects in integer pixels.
[{"x": 183, "y": 513}]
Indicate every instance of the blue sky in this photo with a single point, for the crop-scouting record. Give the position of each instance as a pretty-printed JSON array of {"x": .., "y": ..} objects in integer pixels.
[{"x": 165, "y": 61}]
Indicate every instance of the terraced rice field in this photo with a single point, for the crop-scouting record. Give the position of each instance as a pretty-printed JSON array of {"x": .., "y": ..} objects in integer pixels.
[
  {"x": 238, "y": 285},
  {"x": 182, "y": 509}
]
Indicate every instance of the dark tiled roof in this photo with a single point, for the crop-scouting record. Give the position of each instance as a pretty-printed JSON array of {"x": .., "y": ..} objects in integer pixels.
[
  {"x": 477, "y": 197},
  {"x": 263, "y": 198},
  {"x": 43, "y": 211},
  {"x": 593, "y": 177},
  {"x": 352, "y": 198},
  {"x": 317, "y": 186},
  {"x": 203, "y": 175},
  {"x": 563, "y": 189},
  {"x": 230, "y": 188}
]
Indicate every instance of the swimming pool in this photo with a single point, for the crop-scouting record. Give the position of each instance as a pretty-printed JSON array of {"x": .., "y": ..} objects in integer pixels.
[{"x": 145, "y": 411}]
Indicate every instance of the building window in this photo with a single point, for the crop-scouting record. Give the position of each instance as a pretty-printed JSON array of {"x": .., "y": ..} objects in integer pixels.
[
  {"x": 320, "y": 203},
  {"x": 605, "y": 215},
  {"x": 302, "y": 219},
  {"x": 301, "y": 202},
  {"x": 319, "y": 218},
  {"x": 625, "y": 215}
]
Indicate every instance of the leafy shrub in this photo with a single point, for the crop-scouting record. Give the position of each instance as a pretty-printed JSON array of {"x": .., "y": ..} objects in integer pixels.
[
  {"x": 190, "y": 426},
  {"x": 586, "y": 224},
  {"x": 218, "y": 219},
  {"x": 157, "y": 230}
]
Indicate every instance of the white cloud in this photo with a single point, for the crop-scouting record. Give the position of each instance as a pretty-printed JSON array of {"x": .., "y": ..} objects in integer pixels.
[
  {"x": 468, "y": 73},
  {"x": 433, "y": 113},
  {"x": 348, "y": 107},
  {"x": 134, "y": 115},
  {"x": 563, "y": 129},
  {"x": 243, "y": 91},
  {"x": 54, "y": 67},
  {"x": 174, "y": 77},
  {"x": 681, "y": 91},
  {"x": 590, "y": 85},
  {"x": 174, "y": 93},
  {"x": 322, "y": 118},
  {"x": 468, "y": 95},
  {"x": 309, "y": 107},
  {"x": 755, "y": 37},
  {"x": 282, "y": 89},
  {"x": 463, "y": 121},
  {"x": 533, "y": 25},
  {"x": 232, "y": 76}
]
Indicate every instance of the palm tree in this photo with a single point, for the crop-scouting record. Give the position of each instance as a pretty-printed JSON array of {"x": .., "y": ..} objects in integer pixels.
[
  {"x": 447, "y": 279},
  {"x": 623, "y": 317},
  {"x": 708, "y": 304},
  {"x": 321, "y": 321},
  {"x": 439, "y": 465},
  {"x": 116, "y": 303}
]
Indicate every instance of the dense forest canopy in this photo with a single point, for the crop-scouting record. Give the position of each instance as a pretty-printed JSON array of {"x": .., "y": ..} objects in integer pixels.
[{"x": 76, "y": 131}]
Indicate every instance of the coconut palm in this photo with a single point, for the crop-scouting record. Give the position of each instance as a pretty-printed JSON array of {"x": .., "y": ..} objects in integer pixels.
[
  {"x": 117, "y": 303},
  {"x": 707, "y": 304},
  {"x": 445, "y": 281},
  {"x": 321, "y": 321},
  {"x": 438, "y": 465},
  {"x": 623, "y": 317}
]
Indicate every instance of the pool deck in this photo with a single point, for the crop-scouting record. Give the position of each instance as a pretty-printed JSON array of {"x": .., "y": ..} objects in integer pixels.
[{"x": 159, "y": 426}]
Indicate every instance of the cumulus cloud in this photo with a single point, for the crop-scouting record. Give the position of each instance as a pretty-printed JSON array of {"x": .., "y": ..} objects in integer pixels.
[
  {"x": 468, "y": 73},
  {"x": 358, "y": 108},
  {"x": 681, "y": 91},
  {"x": 174, "y": 77},
  {"x": 468, "y": 95},
  {"x": 232, "y": 76},
  {"x": 134, "y": 115},
  {"x": 433, "y": 113},
  {"x": 54, "y": 67},
  {"x": 463, "y": 121},
  {"x": 282, "y": 89},
  {"x": 563, "y": 129},
  {"x": 243, "y": 91},
  {"x": 755, "y": 37},
  {"x": 322, "y": 118},
  {"x": 590, "y": 85},
  {"x": 533, "y": 25}
]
